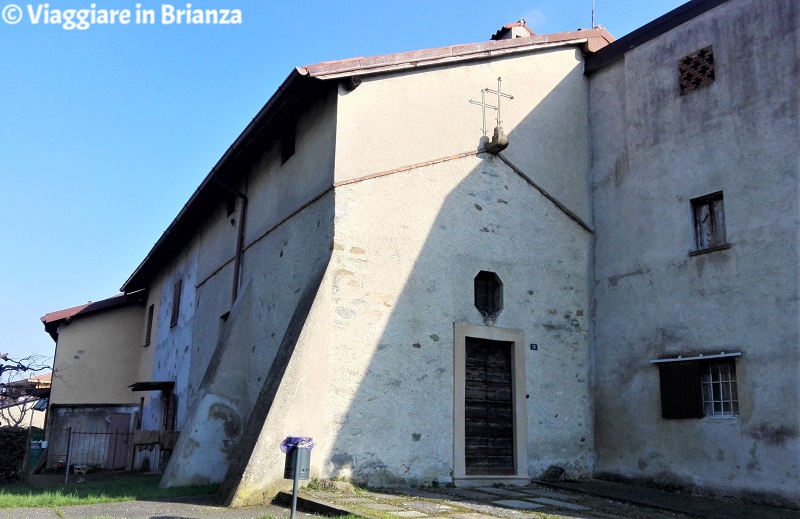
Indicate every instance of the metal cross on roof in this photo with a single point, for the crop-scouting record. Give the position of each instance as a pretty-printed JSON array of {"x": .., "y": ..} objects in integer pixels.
[{"x": 482, "y": 103}]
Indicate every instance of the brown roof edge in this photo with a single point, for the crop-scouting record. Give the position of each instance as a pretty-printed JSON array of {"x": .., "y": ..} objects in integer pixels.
[
  {"x": 645, "y": 33},
  {"x": 590, "y": 38},
  {"x": 595, "y": 39},
  {"x": 60, "y": 315},
  {"x": 51, "y": 320}
]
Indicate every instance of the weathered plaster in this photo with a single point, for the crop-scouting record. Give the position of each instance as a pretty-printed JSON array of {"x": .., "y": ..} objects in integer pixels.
[
  {"x": 169, "y": 350},
  {"x": 380, "y": 330},
  {"x": 64, "y": 419},
  {"x": 405, "y": 118},
  {"x": 286, "y": 239},
  {"x": 290, "y": 403},
  {"x": 400, "y": 282},
  {"x": 653, "y": 151}
]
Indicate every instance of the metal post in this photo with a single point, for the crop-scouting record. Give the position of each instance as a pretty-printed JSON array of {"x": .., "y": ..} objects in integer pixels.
[
  {"x": 114, "y": 452},
  {"x": 296, "y": 479},
  {"x": 483, "y": 106},
  {"x": 69, "y": 453}
]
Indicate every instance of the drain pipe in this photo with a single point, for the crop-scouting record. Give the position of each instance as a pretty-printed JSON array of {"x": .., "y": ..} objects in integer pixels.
[{"x": 237, "y": 261}]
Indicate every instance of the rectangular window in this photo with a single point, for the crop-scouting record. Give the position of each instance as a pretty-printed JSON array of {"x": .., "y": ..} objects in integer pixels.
[
  {"x": 709, "y": 221},
  {"x": 169, "y": 401},
  {"x": 720, "y": 397},
  {"x": 697, "y": 387},
  {"x": 149, "y": 331},
  {"x": 230, "y": 204},
  {"x": 288, "y": 138},
  {"x": 176, "y": 303}
]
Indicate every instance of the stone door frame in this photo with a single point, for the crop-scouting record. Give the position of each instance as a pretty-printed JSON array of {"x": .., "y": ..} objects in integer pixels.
[{"x": 460, "y": 333}]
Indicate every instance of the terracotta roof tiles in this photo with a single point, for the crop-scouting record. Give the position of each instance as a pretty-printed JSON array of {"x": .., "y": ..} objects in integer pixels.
[{"x": 594, "y": 39}]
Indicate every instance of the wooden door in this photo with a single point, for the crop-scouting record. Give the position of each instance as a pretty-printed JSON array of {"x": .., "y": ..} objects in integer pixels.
[
  {"x": 118, "y": 435},
  {"x": 488, "y": 409}
]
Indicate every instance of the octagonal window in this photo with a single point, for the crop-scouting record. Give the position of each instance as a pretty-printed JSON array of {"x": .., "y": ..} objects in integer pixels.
[{"x": 488, "y": 293}]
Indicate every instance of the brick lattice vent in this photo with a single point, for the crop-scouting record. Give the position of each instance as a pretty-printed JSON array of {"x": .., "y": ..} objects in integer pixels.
[{"x": 696, "y": 70}]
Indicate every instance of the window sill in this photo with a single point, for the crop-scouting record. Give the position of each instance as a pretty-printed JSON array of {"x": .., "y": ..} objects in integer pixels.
[{"x": 710, "y": 249}]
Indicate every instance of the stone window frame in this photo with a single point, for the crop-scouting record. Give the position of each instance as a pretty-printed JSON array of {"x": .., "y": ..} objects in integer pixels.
[{"x": 510, "y": 335}]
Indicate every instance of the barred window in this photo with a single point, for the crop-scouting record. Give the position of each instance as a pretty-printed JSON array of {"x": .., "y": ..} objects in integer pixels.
[
  {"x": 488, "y": 293},
  {"x": 697, "y": 387},
  {"x": 720, "y": 397}
]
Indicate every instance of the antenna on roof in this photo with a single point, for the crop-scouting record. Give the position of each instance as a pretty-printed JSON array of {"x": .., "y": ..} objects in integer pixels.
[{"x": 592, "y": 14}]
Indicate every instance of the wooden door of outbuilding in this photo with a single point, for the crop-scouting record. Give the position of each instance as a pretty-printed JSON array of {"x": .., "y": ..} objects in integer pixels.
[{"x": 118, "y": 436}]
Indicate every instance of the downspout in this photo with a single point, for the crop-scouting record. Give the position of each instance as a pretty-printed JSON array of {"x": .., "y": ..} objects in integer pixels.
[
  {"x": 237, "y": 261},
  {"x": 264, "y": 116}
]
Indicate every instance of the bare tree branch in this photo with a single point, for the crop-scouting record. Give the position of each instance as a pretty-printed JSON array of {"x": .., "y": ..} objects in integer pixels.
[{"x": 18, "y": 393}]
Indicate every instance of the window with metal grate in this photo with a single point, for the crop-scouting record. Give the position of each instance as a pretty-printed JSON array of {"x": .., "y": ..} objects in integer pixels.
[
  {"x": 488, "y": 294},
  {"x": 720, "y": 395},
  {"x": 698, "y": 388}
]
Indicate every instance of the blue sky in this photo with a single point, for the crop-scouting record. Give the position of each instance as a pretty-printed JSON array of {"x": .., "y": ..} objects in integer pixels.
[{"x": 106, "y": 132}]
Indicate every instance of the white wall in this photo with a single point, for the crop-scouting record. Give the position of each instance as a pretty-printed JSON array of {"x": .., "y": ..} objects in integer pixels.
[
  {"x": 404, "y": 264},
  {"x": 410, "y": 117},
  {"x": 406, "y": 249},
  {"x": 289, "y": 230}
]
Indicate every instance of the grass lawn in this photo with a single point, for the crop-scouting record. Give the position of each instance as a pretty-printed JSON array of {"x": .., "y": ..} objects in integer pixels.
[{"x": 125, "y": 488}]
